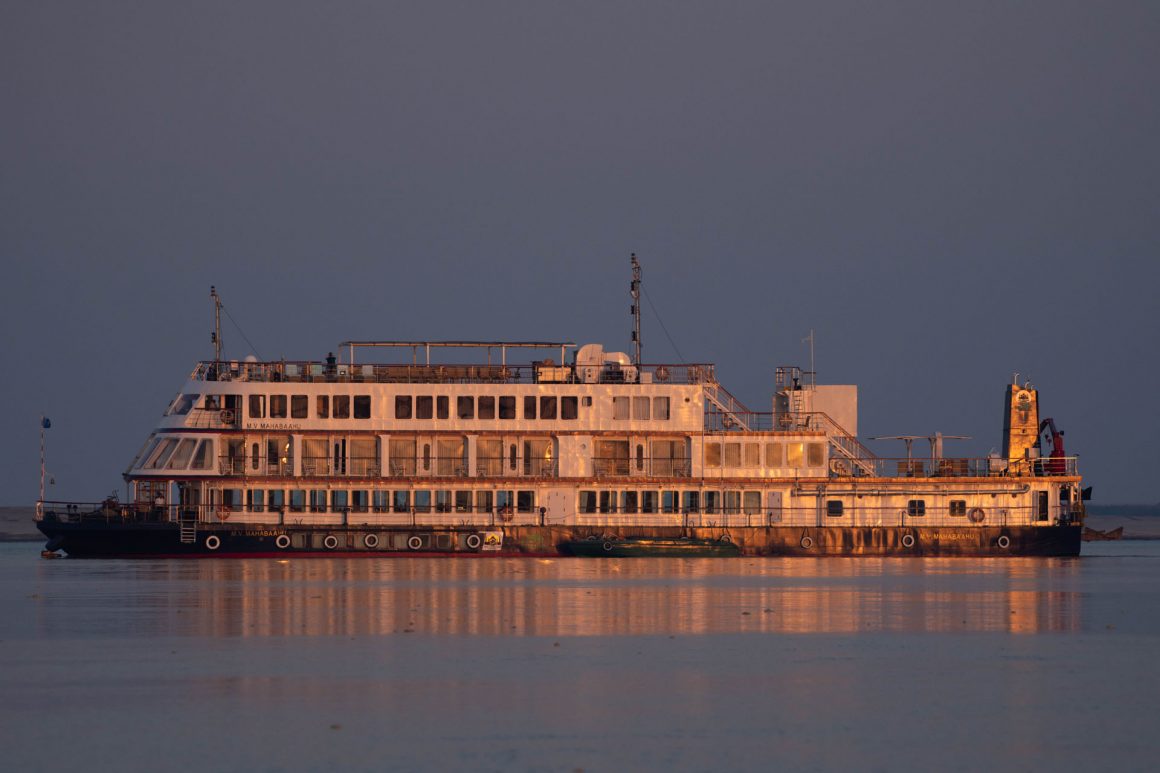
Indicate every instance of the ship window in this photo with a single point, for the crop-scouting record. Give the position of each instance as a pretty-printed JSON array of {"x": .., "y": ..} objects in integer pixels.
[
  {"x": 547, "y": 408},
  {"x": 422, "y": 501},
  {"x": 489, "y": 456},
  {"x": 362, "y": 406},
  {"x": 529, "y": 407},
  {"x": 629, "y": 502},
  {"x": 277, "y": 406},
  {"x": 648, "y": 501},
  {"x": 203, "y": 455},
  {"x": 452, "y": 456},
  {"x": 507, "y": 407},
  {"x": 382, "y": 501},
  {"x": 402, "y": 503},
  {"x": 183, "y": 404},
  {"x": 322, "y": 406},
  {"x": 611, "y": 457},
  {"x": 752, "y": 454},
  {"x": 463, "y": 501},
  {"x": 732, "y": 500},
  {"x": 402, "y": 406},
  {"x": 525, "y": 501},
  {"x": 731, "y": 455},
  {"x": 486, "y": 407},
  {"x": 342, "y": 406},
  {"x": 181, "y": 456},
  {"x": 465, "y": 407},
  {"x": 232, "y": 497},
  {"x": 483, "y": 501},
  {"x": 587, "y": 502},
  {"x": 442, "y": 407},
  {"x": 424, "y": 407},
  {"x": 793, "y": 453},
  {"x": 639, "y": 457},
  {"x": 640, "y": 408},
  {"x": 660, "y": 408},
  {"x": 318, "y": 500},
  {"x": 257, "y": 406},
  {"x": 426, "y": 457},
  {"x": 297, "y": 500},
  {"x": 298, "y": 406},
  {"x": 668, "y": 457},
  {"x": 834, "y": 508},
  {"x": 161, "y": 455},
  {"x": 815, "y": 455},
  {"x": 358, "y": 501},
  {"x": 773, "y": 455},
  {"x": 608, "y": 501},
  {"x": 958, "y": 507},
  {"x": 255, "y": 456},
  {"x": 916, "y": 508},
  {"x": 314, "y": 459},
  {"x": 364, "y": 456},
  {"x": 670, "y": 502},
  {"x": 277, "y": 500},
  {"x": 443, "y": 501},
  {"x": 712, "y": 454},
  {"x": 752, "y": 503},
  {"x": 587, "y": 401},
  {"x": 255, "y": 500},
  {"x": 512, "y": 456},
  {"x": 712, "y": 501},
  {"x": 569, "y": 409},
  {"x": 620, "y": 408}
]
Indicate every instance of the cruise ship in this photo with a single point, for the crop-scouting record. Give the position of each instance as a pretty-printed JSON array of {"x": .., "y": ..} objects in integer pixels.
[{"x": 536, "y": 448}]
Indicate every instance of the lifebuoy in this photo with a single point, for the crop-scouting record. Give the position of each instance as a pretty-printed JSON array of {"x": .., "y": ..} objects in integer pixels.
[
  {"x": 907, "y": 540},
  {"x": 414, "y": 542},
  {"x": 282, "y": 541},
  {"x": 223, "y": 513},
  {"x": 330, "y": 542},
  {"x": 726, "y": 539},
  {"x": 474, "y": 541},
  {"x": 977, "y": 515},
  {"x": 1004, "y": 541},
  {"x": 213, "y": 542},
  {"x": 371, "y": 541},
  {"x": 608, "y": 546},
  {"x": 227, "y": 416},
  {"x": 505, "y": 514},
  {"x": 807, "y": 542},
  {"x": 662, "y": 373}
]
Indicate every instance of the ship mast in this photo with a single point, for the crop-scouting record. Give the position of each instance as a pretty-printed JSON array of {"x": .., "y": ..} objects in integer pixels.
[
  {"x": 635, "y": 292},
  {"x": 217, "y": 329}
]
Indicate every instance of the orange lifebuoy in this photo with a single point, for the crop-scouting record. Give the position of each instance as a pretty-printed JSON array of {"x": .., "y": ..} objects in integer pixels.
[
  {"x": 224, "y": 512},
  {"x": 227, "y": 416}
]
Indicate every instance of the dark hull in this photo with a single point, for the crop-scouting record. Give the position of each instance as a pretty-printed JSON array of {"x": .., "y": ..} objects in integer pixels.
[
  {"x": 100, "y": 538},
  {"x": 650, "y": 548}
]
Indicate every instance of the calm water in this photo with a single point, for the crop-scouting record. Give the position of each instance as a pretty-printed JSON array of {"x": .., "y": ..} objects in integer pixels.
[{"x": 688, "y": 664}]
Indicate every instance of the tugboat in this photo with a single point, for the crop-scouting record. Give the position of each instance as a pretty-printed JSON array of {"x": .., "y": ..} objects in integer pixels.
[{"x": 533, "y": 447}]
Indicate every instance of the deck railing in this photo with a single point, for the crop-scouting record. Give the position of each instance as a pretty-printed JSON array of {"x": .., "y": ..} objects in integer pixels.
[{"x": 985, "y": 467}]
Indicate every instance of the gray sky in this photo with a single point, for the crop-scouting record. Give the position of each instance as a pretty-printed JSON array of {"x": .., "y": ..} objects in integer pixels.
[{"x": 947, "y": 193}]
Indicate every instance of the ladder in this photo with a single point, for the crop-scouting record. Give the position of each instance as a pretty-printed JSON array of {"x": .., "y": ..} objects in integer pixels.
[{"x": 188, "y": 528}]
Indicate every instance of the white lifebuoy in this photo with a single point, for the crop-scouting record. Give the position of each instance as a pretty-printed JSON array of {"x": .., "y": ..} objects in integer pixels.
[
  {"x": 371, "y": 541},
  {"x": 807, "y": 542},
  {"x": 227, "y": 416},
  {"x": 977, "y": 515},
  {"x": 330, "y": 542},
  {"x": 414, "y": 542},
  {"x": 608, "y": 546},
  {"x": 213, "y": 542},
  {"x": 907, "y": 540},
  {"x": 282, "y": 541},
  {"x": 474, "y": 541},
  {"x": 1004, "y": 541}
]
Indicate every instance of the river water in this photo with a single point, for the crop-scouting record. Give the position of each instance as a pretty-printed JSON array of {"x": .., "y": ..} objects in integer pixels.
[{"x": 570, "y": 664}]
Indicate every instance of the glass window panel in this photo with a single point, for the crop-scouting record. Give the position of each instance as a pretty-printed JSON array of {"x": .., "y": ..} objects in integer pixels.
[
  {"x": 815, "y": 455},
  {"x": 338, "y": 501},
  {"x": 529, "y": 407},
  {"x": 752, "y": 454},
  {"x": 465, "y": 407},
  {"x": 442, "y": 501},
  {"x": 670, "y": 502},
  {"x": 569, "y": 410},
  {"x": 547, "y": 407},
  {"x": 660, "y": 408},
  {"x": 358, "y": 501},
  {"x": 507, "y": 407},
  {"x": 318, "y": 500},
  {"x": 640, "y": 408},
  {"x": 402, "y": 406},
  {"x": 712, "y": 454},
  {"x": 793, "y": 454},
  {"x": 181, "y": 456},
  {"x": 422, "y": 501},
  {"x": 773, "y": 455},
  {"x": 278, "y": 406},
  {"x": 649, "y": 501},
  {"x": 731, "y": 455},
  {"x": 297, "y": 500},
  {"x": 402, "y": 502},
  {"x": 732, "y": 501},
  {"x": 483, "y": 503},
  {"x": 322, "y": 406},
  {"x": 257, "y": 406},
  {"x": 587, "y": 502},
  {"x": 277, "y": 498},
  {"x": 362, "y": 406},
  {"x": 486, "y": 407},
  {"x": 463, "y": 501},
  {"x": 442, "y": 407},
  {"x": 381, "y": 501},
  {"x": 525, "y": 501},
  {"x": 202, "y": 458},
  {"x": 424, "y": 407},
  {"x": 752, "y": 503},
  {"x": 298, "y": 406},
  {"x": 341, "y": 405},
  {"x": 620, "y": 408},
  {"x": 256, "y": 500},
  {"x": 629, "y": 502}
]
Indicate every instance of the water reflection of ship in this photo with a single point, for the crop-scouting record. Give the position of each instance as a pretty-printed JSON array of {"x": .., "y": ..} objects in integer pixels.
[{"x": 519, "y": 597}]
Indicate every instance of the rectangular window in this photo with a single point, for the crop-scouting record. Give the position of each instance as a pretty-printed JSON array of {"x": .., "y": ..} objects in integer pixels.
[
  {"x": 569, "y": 409},
  {"x": 507, "y": 407},
  {"x": 278, "y": 406},
  {"x": 732, "y": 502},
  {"x": 834, "y": 508},
  {"x": 629, "y": 502},
  {"x": 203, "y": 455},
  {"x": 342, "y": 406},
  {"x": 463, "y": 501},
  {"x": 359, "y": 501},
  {"x": 712, "y": 454},
  {"x": 483, "y": 501},
  {"x": 620, "y": 408},
  {"x": 660, "y": 408},
  {"x": 916, "y": 508},
  {"x": 402, "y": 406},
  {"x": 256, "y": 500},
  {"x": 504, "y": 502},
  {"x": 815, "y": 455},
  {"x": 712, "y": 501},
  {"x": 529, "y": 407},
  {"x": 691, "y": 501},
  {"x": 731, "y": 455},
  {"x": 958, "y": 507},
  {"x": 232, "y": 497},
  {"x": 442, "y": 407},
  {"x": 465, "y": 407},
  {"x": 362, "y": 406},
  {"x": 793, "y": 454},
  {"x": 443, "y": 501},
  {"x": 422, "y": 501},
  {"x": 649, "y": 501},
  {"x": 752, "y": 503},
  {"x": 277, "y": 500},
  {"x": 298, "y": 406},
  {"x": 382, "y": 501},
  {"x": 180, "y": 457},
  {"x": 317, "y": 501},
  {"x": 338, "y": 501},
  {"x": 451, "y": 455},
  {"x": 424, "y": 407},
  {"x": 773, "y": 455},
  {"x": 297, "y": 500},
  {"x": 257, "y": 406},
  {"x": 547, "y": 408},
  {"x": 486, "y": 407},
  {"x": 608, "y": 501},
  {"x": 525, "y": 501},
  {"x": 401, "y": 502},
  {"x": 670, "y": 502},
  {"x": 587, "y": 502},
  {"x": 640, "y": 409},
  {"x": 752, "y": 454},
  {"x": 322, "y": 407}
]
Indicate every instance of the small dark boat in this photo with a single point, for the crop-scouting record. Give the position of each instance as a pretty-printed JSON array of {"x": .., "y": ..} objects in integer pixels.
[
  {"x": 644, "y": 547},
  {"x": 1095, "y": 535}
]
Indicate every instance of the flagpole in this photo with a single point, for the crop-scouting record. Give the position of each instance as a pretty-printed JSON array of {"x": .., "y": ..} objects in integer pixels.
[{"x": 43, "y": 446}]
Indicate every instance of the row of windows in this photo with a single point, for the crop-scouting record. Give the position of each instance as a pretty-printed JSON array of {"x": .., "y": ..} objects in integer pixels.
[
  {"x": 379, "y": 501},
  {"x": 488, "y": 407},
  {"x": 649, "y": 501},
  {"x": 776, "y": 454},
  {"x": 915, "y": 508}
]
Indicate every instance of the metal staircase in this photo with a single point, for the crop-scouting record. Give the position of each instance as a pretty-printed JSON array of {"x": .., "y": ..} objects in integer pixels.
[
  {"x": 727, "y": 404},
  {"x": 861, "y": 458}
]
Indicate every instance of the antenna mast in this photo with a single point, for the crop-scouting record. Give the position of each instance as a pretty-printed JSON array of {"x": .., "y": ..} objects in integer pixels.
[
  {"x": 634, "y": 290},
  {"x": 217, "y": 328}
]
